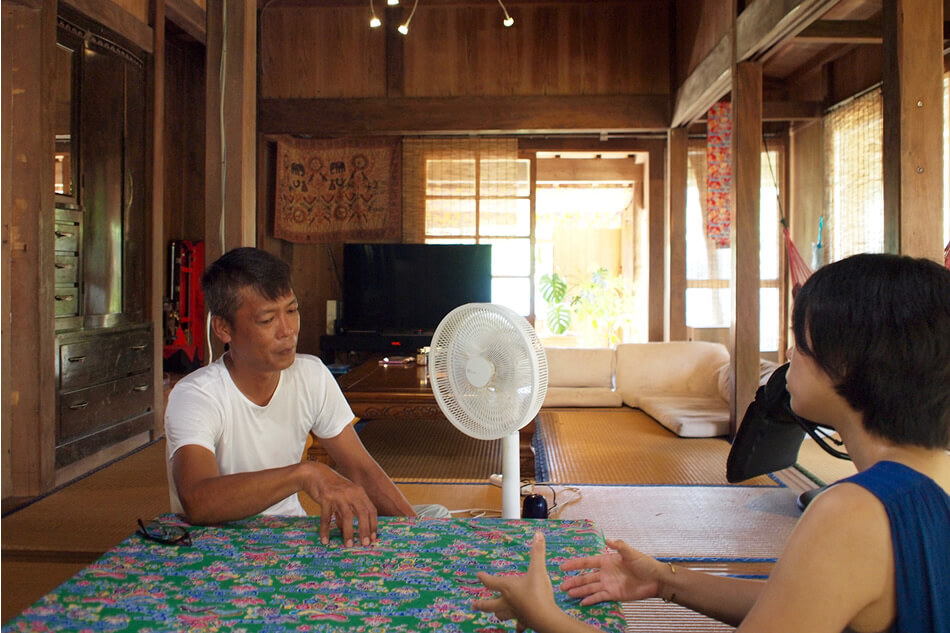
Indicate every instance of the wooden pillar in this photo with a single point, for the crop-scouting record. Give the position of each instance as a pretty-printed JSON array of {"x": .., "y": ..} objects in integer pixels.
[
  {"x": 913, "y": 128},
  {"x": 656, "y": 196},
  {"x": 157, "y": 232},
  {"x": 231, "y": 130},
  {"x": 29, "y": 413},
  {"x": 676, "y": 173},
  {"x": 746, "y": 182}
]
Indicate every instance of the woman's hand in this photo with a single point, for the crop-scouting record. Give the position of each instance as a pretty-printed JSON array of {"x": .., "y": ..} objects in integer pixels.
[
  {"x": 527, "y": 598},
  {"x": 624, "y": 576}
]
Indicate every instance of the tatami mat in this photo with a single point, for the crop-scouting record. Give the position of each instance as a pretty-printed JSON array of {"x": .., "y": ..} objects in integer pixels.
[
  {"x": 430, "y": 450},
  {"x": 626, "y": 446},
  {"x": 820, "y": 466}
]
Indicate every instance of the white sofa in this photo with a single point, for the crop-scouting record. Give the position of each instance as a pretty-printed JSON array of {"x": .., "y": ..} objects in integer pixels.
[{"x": 682, "y": 385}]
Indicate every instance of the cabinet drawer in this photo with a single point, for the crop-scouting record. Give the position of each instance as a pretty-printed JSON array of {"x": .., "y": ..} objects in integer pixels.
[
  {"x": 85, "y": 410},
  {"x": 67, "y": 270},
  {"x": 67, "y": 235},
  {"x": 66, "y": 301},
  {"x": 103, "y": 358}
]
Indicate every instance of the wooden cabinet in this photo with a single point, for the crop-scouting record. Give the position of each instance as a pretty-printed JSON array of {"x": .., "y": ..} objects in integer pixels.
[
  {"x": 104, "y": 389},
  {"x": 104, "y": 347}
]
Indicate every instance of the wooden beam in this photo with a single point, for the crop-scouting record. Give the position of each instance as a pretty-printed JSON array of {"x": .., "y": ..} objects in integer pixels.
[
  {"x": 658, "y": 231},
  {"x": 231, "y": 131},
  {"x": 115, "y": 18},
  {"x": 842, "y": 32},
  {"x": 414, "y": 115},
  {"x": 759, "y": 28},
  {"x": 156, "y": 213},
  {"x": 792, "y": 110},
  {"x": 29, "y": 388},
  {"x": 676, "y": 174},
  {"x": 913, "y": 123},
  {"x": 587, "y": 170},
  {"x": 706, "y": 85},
  {"x": 188, "y": 16},
  {"x": 746, "y": 185}
]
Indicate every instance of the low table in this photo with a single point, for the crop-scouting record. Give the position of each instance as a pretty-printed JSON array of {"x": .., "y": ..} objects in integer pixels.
[
  {"x": 271, "y": 573},
  {"x": 403, "y": 392}
]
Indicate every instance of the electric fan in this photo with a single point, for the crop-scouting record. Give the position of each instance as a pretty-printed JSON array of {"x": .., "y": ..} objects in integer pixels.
[{"x": 489, "y": 375}]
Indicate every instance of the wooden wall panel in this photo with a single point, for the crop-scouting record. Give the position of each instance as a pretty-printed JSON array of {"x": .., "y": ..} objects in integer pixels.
[
  {"x": 604, "y": 47},
  {"x": 854, "y": 73},
  {"x": 321, "y": 52},
  {"x": 184, "y": 142},
  {"x": 700, "y": 24}
]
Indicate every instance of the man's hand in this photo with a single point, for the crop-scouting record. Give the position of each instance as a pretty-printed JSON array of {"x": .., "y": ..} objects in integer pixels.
[
  {"x": 624, "y": 576},
  {"x": 527, "y": 598},
  {"x": 342, "y": 500}
]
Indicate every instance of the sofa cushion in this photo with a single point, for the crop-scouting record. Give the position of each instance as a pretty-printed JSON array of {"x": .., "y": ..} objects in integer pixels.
[
  {"x": 582, "y": 397},
  {"x": 673, "y": 367},
  {"x": 689, "y": 416},
  {"x": 580, "y": 367},
  {"x": 724, "y": 378}
]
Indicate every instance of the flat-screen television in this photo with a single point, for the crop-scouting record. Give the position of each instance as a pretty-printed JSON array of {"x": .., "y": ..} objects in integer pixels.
[{"x": 409, "y": 288}]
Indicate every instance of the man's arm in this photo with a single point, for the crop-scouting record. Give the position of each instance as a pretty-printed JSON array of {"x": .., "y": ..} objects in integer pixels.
[
  {"x": 208, "y": 497},
  {"x": 358, "y": 465}
]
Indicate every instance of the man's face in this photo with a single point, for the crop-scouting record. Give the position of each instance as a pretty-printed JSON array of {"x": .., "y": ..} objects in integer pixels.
[{"x": 263, "y": 336}]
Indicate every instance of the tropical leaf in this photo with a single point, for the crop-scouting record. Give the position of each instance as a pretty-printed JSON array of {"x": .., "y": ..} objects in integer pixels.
[
  {"x": 553, "y": 288},
  {"x": 558, "y": 318}
]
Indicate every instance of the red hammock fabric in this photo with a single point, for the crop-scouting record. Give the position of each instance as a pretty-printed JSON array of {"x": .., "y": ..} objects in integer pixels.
[
  {"x": 797, "y": 267},
  {"x": 946, "y": 255}
]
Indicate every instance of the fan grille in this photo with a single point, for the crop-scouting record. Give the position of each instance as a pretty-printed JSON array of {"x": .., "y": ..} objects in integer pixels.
[{"x": 468, "y": 337}]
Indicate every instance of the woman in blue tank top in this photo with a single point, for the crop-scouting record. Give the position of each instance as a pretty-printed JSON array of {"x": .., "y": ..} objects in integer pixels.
[{"x": 871, "y": 553}]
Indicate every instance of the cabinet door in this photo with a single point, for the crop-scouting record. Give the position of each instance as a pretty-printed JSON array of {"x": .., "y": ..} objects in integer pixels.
[
  {"x": 102, "y": 116},
  {"x": 135, "y": 275}
]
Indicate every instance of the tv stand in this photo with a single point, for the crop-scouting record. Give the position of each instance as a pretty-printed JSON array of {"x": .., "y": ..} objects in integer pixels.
[{"x": 401, "y": 344}]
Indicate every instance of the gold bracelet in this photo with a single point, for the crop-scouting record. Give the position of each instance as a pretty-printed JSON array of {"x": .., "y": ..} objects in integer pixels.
[{"x": 672, "y": 597}]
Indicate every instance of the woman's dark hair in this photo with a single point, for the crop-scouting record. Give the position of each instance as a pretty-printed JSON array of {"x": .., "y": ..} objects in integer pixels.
[
  {"x": 240, "y": 268},
  {"x": 879, "y": 326}
]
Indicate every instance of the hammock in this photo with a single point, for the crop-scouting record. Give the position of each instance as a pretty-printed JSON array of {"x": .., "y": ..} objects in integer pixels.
[
  {"x": 946, "y": 255},
  {"x": 797, "y": 267}
]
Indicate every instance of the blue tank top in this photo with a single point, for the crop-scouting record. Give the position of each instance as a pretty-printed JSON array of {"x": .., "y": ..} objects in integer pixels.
[{"x": 919, "y": 513}]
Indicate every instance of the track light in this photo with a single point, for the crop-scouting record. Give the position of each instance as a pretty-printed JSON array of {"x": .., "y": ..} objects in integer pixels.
[
  {"x": 404, "y": 27},
  {"x": 373, "y": 21},
  {"x": 508, "y": 21}
]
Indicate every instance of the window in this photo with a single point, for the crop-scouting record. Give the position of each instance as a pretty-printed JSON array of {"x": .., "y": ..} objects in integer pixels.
[
  {"x": 854, "y": 178},
  {"x": 709, "y": 268},
  {"x": 479, "y": 191}
]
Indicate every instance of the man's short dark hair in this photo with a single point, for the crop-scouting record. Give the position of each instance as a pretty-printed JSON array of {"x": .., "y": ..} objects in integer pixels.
[
  {"x": 879, "y": 326},
  {"x": 240, "y": 268}
]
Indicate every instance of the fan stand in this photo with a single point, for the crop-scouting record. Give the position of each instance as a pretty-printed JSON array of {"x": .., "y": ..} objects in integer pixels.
[{"x": 510, "y": 477}]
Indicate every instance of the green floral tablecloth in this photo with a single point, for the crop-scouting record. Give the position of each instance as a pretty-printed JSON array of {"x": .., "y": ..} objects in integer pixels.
[{"x": 272, "y": 574}]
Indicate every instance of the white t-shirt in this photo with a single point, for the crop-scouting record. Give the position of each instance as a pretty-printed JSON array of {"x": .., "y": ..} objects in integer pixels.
[{"x": 207, "y": 409}]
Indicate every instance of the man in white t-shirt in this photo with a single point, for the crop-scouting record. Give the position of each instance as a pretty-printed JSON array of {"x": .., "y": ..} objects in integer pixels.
[{"x": 236, "y": 429}]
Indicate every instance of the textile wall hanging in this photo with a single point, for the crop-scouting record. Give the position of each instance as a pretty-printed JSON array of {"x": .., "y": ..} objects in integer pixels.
[
  {"x": 338, "y": 190},
  {"x": 719, "y": 173}
]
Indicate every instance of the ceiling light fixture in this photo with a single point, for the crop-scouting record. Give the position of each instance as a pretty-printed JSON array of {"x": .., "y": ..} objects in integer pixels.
[
  {"x": 392, "y": 3},
  {"x": 373, "y": 21},
  {"x": 508, "y": 21},
  {"x": 404, "y": 27}
]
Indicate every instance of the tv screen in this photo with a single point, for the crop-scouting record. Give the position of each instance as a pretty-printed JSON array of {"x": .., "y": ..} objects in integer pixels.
[{"x": 409, "y": 288}]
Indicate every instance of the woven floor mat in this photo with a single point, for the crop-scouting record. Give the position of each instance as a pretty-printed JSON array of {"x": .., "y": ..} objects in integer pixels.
[
  {"x": 626, "y": 446},
  {"x": 820, "y": 466},
  {"x": 715, "y": 523},
  {"x": 656, "y": 616},
  {"x": 90, "y": 516},
  {"x": 430, "y": 450}
]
